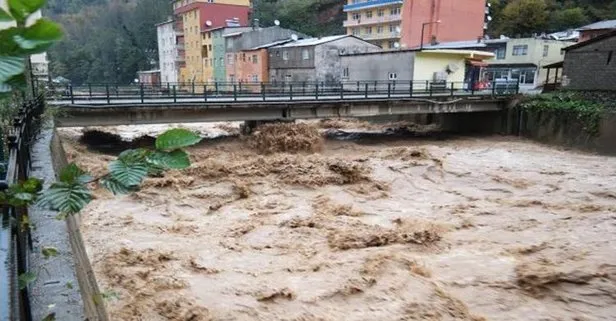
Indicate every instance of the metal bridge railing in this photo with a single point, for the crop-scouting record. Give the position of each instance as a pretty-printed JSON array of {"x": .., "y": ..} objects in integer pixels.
[
  {"x": 276, "y": 91},
  {"x": 15, "y": 242}
]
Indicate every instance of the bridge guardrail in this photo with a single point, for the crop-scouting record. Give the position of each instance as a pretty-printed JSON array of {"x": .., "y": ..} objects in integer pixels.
[
  {"x": 275, "y": 91},
  {"x": 15, "y": 242}
]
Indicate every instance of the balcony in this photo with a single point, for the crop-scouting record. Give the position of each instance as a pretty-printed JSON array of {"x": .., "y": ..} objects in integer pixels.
[
  {"x": 379, "y": 36},
  {"x": 370, "y": 4},
  {"x": 372, "y": 21}
]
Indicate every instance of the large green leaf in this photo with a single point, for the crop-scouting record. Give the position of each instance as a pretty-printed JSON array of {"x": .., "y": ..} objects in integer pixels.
[
  {"x": 10, "y": 67},
  {"x": 66, "y": 198},
  {"x": 72, "y": 174},
  {"x": 32, "y": 185},
  {"x": 128, "y": 173},
  {"x": 176, "y": 138},
  {"x": 25, "y": 279},
  {"x": 177, "y": 159},
  {"x": 39, "y": 36},
  {"x": 116, "y": 187},
  {"x": 21, "y": 9},
  {"x": 5, "y": 16}
]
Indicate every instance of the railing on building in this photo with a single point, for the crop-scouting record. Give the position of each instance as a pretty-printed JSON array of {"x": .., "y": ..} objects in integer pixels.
[
  {"x": 375, "y": 20},
  {"x": 15, "y": 243},
  {"x": 370, "y": 4},
  {"x": 275, "y": 91}
]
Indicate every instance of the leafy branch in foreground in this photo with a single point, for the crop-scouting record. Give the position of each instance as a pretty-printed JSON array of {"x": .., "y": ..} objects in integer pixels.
[
  {"x": 70, "y": 194},
  {"x": 20, "y": 41}
]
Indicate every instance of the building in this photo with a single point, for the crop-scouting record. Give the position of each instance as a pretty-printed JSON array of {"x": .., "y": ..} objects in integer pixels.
[
  {"x": 522, "y": 59},
  {"x": 591, "y": 65},
  {"x": 214, "y": 49},
  {"x": 242, "y": 46},
  {"x": 461, "y": 67},
  {"x": 194, "y": 16},
  {"x": 313, "y": 59},
  {"x": 40, "y": 64},
  {"x": 596, "y": 29},
  {"x": 150, "y": 78},
  {"x": 167, "y": 52},
  {"x": 392, "y": 23}
]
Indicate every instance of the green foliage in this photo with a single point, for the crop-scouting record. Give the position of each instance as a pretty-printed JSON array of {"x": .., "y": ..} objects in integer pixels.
[
  {"x": 71, "y": 194},
  {"x": 20, "y": 41},
  {"x": 49, "y": 252},
  {"x": 586, "y": 111},
  {"x": 22, "y": 193},
  {"x": 25, "y": 279},
  {"x": 525, "y": 17}
]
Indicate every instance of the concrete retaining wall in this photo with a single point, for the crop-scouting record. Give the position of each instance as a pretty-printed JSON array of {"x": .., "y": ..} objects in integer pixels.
[
  {"x": 94, "y": 307},
  {"x": 566, "y": 130}
]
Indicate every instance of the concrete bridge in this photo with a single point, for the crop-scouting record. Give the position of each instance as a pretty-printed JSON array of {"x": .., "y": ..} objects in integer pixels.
[{"x": 133, "y": 106}]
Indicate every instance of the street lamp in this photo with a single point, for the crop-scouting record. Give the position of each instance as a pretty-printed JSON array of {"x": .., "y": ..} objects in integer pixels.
[{"x": 423, "y": 27}]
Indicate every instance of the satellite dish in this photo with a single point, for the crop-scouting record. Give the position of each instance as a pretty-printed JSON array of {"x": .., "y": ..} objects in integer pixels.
[
  {"x": 208, "y": 23},
  {"x": 396, "y": 44},
  {"x": 294, "y": 37},
  {"x": 277, "y": 22}
]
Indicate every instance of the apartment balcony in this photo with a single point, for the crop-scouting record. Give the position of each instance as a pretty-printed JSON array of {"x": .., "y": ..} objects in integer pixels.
[
  {"x": 370, "y": 4},
  {"x": 372, "y": 21},
  {"x": 379, "y": 36}
]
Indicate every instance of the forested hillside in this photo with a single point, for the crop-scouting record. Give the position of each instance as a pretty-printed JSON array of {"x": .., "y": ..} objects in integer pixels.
[{"x": 109, "y": 40}]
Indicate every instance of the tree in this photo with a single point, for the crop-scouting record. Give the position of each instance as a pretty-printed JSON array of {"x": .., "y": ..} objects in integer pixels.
[
  {"x": 568, "y": 19},
  {"x": 524, "y": 17}
]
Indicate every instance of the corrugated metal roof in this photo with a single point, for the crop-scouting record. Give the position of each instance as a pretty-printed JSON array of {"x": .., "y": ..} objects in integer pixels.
[
  {"x": 312, "y": 41},
  {"x": 271, "y": 44},
  {"x": 607, "y": 24},
  {"x": 456, "y": 45}
]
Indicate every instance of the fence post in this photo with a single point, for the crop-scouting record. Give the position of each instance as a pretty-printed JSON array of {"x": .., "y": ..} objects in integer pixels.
[
  {"x": 494, "y": 87},
  {"x": 107, "y": 90},
  {"x": 316, "y": 92},
  {"x": 234, "y": 92},
  {"x": 117, "y": 90},
  {"x": 341, "y": 91},
  {"x": 410, "y": 89},
  {"x": 175, "y": 98},
  {"x": 70, "y": 88},
  {"x": 388, "y": 90},
  {"x": 375, "y": 86},
  {"x": 168, "y": 90},
  {"x": 452, "y": 88},
  {"x": 472, "y": 89},
  {"x": 240, "y": 88},
  {"x": 290, "y": 91},
  {"x": 205, "y": 92},
  {"x": 263, "y": 91},
  {"x": 357, "y": 85},
  {"x": 193, "y": 87},
  {"x": 216, "y": 87},
  {"x": 303, "y": 88},
  {"x": 141, "y": 91},
  {"x": 90, "y": 90},
  {"x": 366, "y": 92}
]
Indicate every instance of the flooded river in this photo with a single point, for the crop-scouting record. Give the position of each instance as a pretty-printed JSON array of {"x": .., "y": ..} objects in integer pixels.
[{"x": 490, "y": 228}]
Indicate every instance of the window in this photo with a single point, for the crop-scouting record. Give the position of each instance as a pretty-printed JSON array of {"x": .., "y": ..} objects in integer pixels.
[
  {"x": 393, "y": 28},
  {"x": 255, "y": 60},
  {"x": 345, "y": 72},
  {"x": 393, "y": 76},
  {"x": 355, "y": 31},
  {"x": 500, "y": 53},
  {"x": 546, "y": 50},
  {"x": 356, "y": 16},
  {"x": 288, "y": 78},
  {"x": 243, "y": 57},
  {"x": 368, "y": 30},
  {"x": 379, "y": 29},
  {"x": 255, "y": 78},
  {"x": 229, "y": 60},
  {"x": 380, "y": 12},
  {"x": 391, "y": 44},
  {"x": 285, "y": 55},
  {"x": 278, "y": 53},
  {"x": 209, "y": 47},
  {"x": 369, "y": 14},
  {"x": 527, "y": 76},
  {"x": 209, "y": 35},
  {"x": 394, "y": 11},
  {"x": 520, "y": 50},
  {"x": 305, "y": 54}
]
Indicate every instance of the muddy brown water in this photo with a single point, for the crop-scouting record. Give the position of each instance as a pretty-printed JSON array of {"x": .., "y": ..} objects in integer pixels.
[{"x": 475, "y": 228}]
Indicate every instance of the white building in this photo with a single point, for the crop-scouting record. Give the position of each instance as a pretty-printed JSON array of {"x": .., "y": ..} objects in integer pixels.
[
  {"x": 40, "y": 65},
  {"x": 167, "y": 52}
]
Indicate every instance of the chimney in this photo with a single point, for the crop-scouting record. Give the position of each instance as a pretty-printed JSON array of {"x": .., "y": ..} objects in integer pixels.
[{"x": 255, "y": 24}]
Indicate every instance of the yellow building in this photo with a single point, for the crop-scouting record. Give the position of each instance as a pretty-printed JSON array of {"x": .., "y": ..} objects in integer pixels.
[
  {"x": 193, "y": 17},
  {"x": 375, "y": 21}
]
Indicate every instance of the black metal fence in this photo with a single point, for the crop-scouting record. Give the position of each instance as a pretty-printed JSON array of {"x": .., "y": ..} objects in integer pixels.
[
  {"x": 276, "y": 91},
  {"x": 15, "y": 242}
]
